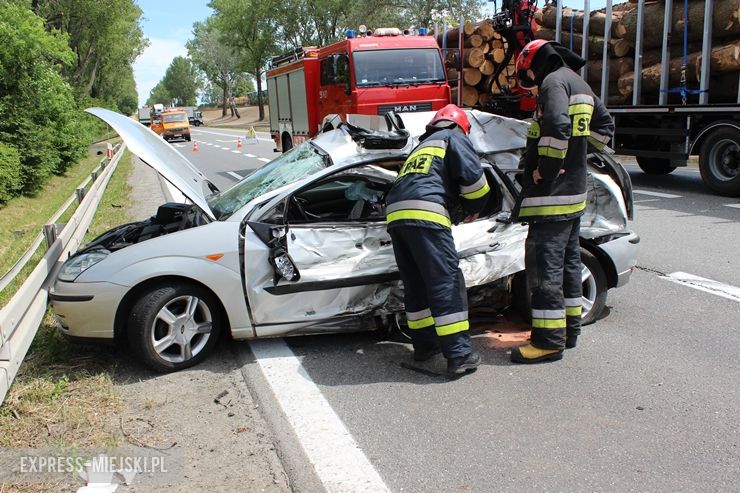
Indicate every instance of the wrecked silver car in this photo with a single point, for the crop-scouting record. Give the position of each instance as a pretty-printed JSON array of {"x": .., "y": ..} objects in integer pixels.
[{"x": 300, "y": 245}]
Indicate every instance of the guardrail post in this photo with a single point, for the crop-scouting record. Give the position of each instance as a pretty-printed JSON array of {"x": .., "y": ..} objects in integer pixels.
[
  {"x": 94, "y": 175},
  {"x": 80, "y": 193},
  {"x": 103, "y": 164},
  {"x": 50, "y": 234},
  {"x": 5, "y": 351}
]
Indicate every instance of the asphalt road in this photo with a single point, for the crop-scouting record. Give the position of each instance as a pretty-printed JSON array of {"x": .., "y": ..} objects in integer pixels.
[{"x": 648, "y": 401}]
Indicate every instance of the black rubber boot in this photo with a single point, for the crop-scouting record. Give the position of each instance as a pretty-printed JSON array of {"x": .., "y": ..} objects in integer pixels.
[
  {"x": 571, "y": 341},
  {"x": 463, "y": 364}
]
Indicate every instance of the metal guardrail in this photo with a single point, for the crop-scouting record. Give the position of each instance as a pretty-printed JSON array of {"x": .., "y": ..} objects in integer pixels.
[{"x": 21, "y": 317}]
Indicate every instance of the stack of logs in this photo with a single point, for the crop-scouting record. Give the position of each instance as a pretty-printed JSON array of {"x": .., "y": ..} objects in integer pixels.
[
  {"x": 725, "y": 55},
  {"x": 484, "y": 50}
]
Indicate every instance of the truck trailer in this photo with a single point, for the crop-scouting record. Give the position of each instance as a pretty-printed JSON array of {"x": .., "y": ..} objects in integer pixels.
[
  {"x": 372, "y": 74},
  {"x": 686, "y": 102}
]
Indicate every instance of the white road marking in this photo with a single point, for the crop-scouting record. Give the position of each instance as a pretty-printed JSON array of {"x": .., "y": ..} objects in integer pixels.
[
  {"x": 645, "y": 200},
  {"x": 339, "y": 462},
  {"x": 658, "y": 194},
  {"x": 225, "y": 140},
  {"x": 266, "y": 137},
  {"x": 237, "y": 152},
  {"x": 706, "y": 285},
  {"x": 235, "y": 175},
  {"x": 250, "y": 155},
  {"x": 263, "y": 159},
  {"x": 225, "y": 148},
  {"x": 736, "y": 206}
]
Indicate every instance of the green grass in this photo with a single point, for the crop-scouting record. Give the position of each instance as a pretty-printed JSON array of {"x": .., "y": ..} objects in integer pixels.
[
  {"x": 21, "y": 219},
  {"x": 63, "y": 395}
]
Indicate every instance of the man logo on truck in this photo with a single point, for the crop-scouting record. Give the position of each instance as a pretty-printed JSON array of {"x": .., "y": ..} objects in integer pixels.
[{"x": 406, "y": 108}]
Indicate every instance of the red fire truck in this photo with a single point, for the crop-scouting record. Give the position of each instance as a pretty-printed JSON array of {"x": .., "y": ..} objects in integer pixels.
[{"x": 370, "y": 75}]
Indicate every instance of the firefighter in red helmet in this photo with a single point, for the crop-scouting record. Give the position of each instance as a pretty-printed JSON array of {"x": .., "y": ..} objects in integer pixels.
[
  {"x": 441, "y": 175},
  {"x": 569, "y": 119}
]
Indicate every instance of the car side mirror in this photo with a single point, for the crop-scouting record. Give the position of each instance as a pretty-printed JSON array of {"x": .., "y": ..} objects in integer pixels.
[{"x": 276, "y": 240}]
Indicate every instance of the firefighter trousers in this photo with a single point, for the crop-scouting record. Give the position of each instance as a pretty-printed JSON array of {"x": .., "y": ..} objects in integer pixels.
[
  {"x": 553, "y": 266},
  {"x": 434, "y": 289}
]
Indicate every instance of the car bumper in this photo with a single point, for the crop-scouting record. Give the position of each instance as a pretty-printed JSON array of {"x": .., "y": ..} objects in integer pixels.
[
  {"x": 623, "y": 253},
  {"x": 86, "y": 310}
]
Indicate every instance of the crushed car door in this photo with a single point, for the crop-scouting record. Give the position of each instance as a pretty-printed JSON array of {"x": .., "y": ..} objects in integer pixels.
[{"x": 322, "y": 254}]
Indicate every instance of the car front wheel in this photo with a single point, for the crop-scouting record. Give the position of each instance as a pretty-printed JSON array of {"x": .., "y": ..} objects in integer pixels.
[{"x": 174, "y": 326}]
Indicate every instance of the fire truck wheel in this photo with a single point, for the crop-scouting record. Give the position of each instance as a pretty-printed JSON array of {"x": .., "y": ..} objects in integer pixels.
[
  {"x": 653, "y": 166},
  {"x": 719, "y": 161},
  {"x": 287, "y": 142}
]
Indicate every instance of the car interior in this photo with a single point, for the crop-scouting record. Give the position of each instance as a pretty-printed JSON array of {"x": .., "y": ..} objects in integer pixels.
[{"x": 357, "y": 196}]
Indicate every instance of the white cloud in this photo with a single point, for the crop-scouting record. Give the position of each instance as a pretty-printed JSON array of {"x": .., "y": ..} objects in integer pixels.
[{"x": 151, "y": 66}]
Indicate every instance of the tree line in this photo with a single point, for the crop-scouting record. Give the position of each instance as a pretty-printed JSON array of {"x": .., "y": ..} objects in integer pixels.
[
  {"x": 58, "y": 57},
  {"x": 237, "y": 42}
]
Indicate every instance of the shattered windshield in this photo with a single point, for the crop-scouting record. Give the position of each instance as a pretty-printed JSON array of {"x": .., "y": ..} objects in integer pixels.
[{"x": 294, "y": 165}]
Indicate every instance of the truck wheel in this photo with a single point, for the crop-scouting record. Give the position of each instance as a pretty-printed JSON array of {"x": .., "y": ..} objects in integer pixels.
[
  {"x": 654, "y": 166},
  {"x": 287, "y": 143},
  {"x": 719, "y": 161}
]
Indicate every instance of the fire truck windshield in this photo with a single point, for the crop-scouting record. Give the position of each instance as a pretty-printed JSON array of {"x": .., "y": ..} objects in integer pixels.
[{"x": 398, "y": 67}]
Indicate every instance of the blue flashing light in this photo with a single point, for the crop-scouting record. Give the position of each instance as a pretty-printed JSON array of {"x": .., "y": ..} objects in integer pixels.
[
  {"x": 350, "y": 33},
  {"x": 423, "y": 31}
]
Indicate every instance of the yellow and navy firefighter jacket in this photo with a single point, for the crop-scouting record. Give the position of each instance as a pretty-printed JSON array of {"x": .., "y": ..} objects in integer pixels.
[
  {"x": 569, "y": 118},
  {"x": 441, "y": 176}
]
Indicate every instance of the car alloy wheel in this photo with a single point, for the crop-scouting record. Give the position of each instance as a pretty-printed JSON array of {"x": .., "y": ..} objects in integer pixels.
[
  {"x": 594, "y": 287},
  {"x": 173, "y": 327}
]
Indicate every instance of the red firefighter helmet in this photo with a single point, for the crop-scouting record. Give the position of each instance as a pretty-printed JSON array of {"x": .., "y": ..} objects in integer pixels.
[
  {"x": 454, "y": 114},
  {"x": 524, "y": 62}
]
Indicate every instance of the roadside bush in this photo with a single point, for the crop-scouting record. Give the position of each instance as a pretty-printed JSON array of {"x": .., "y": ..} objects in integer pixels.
[
  {"x": 10, "y": 172},
  {"x": 38, "y": 112}
]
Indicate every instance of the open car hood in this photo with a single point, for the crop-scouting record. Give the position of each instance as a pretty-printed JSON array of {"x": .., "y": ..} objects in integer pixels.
[{"x": 161, "y": 156}]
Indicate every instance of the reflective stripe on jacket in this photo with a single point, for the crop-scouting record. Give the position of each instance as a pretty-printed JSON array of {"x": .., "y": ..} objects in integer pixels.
[
  {"x": 569, "y": 118},
  {"x": 440, "y": 175}
]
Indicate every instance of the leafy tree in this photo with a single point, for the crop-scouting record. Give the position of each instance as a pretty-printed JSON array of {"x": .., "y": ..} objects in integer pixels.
[
  {"x": 181, "y": 81},
  {"x": 247, "y": 26},
  {"x": 40, "y": 123},
  {"x": 219, "y": 62},
  {"x": 243, "y": 86},
  {"x": 159, "y": 95},
  {"x": 105, "y": 37}
]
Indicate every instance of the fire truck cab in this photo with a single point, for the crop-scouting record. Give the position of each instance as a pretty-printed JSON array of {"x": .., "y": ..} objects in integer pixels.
[{"x": 369, "y": 75}]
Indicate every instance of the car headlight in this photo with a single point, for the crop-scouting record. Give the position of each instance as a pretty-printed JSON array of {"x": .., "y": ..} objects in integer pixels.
[{"x": 75, "y": 266}]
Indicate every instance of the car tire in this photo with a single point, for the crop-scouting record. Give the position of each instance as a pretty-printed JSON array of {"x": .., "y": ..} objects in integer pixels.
[
  {"x": 174, "y": 326},
  {"x": 594, "y": 290},
  {"x": 719, "y": 161},
  {"x": 287, "y": 142},
  {"x": 653, "y": 166}
]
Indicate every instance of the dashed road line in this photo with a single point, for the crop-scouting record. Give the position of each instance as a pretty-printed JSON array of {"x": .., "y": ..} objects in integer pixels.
[
  {"x": 707, "y": 285},
  {"x": 263, "y": 159},
  {"x": 735, "y": 206},
  {"x": 241, "y": 132},
  {"x": 250, "y": 155},
  {"x": 338, "y": 461},
  {"x": 658, "y": 194},
  {"x": 235, "y": 175},
  {"x": 237, "y": 152}
]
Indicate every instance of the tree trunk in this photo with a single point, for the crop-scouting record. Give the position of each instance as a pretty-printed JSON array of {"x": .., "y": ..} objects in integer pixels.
[
  {"x": 471, "y": 76},
  {"x": 617, "y": 68},
  {"x": 225, "y": 99},
  {"x": 725, "y": 58},
  {"x": 617, "y": 47},
  {"x": 260, "y": 102},
  {"x": 596, "y": 26},
  {"x": 93, "y": 75},
  {"x": 725, "y": 22},
  {"x": 473, "y": 57}
]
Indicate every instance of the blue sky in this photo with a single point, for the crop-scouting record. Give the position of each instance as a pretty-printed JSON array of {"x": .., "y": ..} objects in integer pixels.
[{"x": 168, "y": 25}]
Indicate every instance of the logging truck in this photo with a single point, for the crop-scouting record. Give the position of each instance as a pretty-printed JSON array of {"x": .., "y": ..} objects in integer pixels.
[
  {"x": 686, "y": 102},
  {"x": 371, "y": 74}
]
